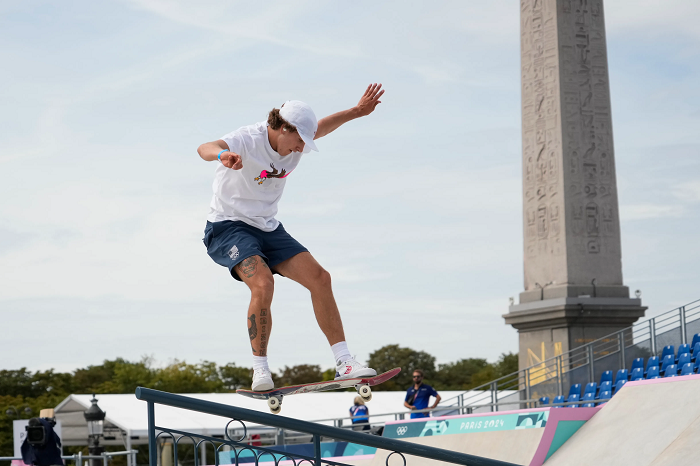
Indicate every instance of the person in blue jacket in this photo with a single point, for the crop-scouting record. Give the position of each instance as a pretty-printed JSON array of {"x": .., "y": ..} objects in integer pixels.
[
  {"x": 360, "y": 415},
  {"x": 418, "y": 396}
]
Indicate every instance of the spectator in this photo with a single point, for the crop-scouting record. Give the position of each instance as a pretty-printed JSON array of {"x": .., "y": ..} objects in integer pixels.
[
  {"x": 418, "y": 396},
  {"x": 360, "y": 415}
]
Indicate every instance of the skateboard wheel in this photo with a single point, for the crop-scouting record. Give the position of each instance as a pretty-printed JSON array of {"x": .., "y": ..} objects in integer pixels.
[
  {"x": 365, "y": 392},
  {"x": 275, "y": 405}
]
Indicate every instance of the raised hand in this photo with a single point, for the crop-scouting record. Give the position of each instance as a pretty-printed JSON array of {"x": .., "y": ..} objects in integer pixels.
[
  {"x": 370, "y": 99},
  {"x": 232, "y": 160}
]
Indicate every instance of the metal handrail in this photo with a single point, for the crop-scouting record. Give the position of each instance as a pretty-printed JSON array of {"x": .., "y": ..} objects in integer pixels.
[
  {"x": 553, "y": 368},
  {"x": 153, "y": 397}
]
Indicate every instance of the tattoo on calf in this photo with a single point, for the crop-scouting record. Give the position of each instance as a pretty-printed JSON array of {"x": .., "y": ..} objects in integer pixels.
[
  {"x": 252, "y": 331},
  {"x": 263, "y": 331}
]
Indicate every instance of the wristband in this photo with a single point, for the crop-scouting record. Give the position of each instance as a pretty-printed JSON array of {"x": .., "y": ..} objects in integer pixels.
[{"x": 219, "y": 156}]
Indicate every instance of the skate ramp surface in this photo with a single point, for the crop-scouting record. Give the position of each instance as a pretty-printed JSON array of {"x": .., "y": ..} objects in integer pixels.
[
  {"x": 648, "y": 423},
  {"x": 511, "y": 436}
]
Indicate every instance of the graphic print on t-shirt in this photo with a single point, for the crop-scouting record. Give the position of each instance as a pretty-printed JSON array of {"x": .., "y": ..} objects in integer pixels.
[{"x": 265, "y": 174}]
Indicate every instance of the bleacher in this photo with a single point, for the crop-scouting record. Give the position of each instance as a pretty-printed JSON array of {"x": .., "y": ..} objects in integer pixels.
[{"x": 685, "y": 361}]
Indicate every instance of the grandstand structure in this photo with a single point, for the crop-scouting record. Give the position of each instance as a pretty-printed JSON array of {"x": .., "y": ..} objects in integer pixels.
[{"x": 664, "y": 346}]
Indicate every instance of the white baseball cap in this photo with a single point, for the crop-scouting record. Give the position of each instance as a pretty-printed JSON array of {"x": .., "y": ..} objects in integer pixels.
[{"x": 299, "y": 114}]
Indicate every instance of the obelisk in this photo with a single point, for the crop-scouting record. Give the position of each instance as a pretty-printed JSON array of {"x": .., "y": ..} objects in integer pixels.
[{"x": 574, "y": 291}]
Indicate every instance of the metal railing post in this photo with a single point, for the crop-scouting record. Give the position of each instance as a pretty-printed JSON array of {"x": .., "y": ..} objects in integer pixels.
[
  {"x": 684, "y": 336},
  {"x": 317, "y": 449},
  {"x": 152, "y": 448},
  {"x": 527, "y": 386},
  {"x": 493, "y": 396},
  {"x": 621, "y": 340},
  {"x": 652, "y": 333},
  {"x": 560, "y": 376},
  {"x": 591, "y": 373}
]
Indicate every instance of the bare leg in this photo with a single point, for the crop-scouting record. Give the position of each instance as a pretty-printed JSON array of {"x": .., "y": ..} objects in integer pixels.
[
  {"x": 255, "y": 273},
  {"x": 304, "y": 270}
]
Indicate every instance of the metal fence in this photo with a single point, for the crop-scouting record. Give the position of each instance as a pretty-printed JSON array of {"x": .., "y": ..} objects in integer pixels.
[
  {"x": 583, "y": 364},
  {"x": 79, "y": 458},
  {"x": 317, "y": 431}
]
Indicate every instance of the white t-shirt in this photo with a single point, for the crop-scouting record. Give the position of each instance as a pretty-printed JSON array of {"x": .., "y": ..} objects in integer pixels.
[{"x": 251, "y": 194}]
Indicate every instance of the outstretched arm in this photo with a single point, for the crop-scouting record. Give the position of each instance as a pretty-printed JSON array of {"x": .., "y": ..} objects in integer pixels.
[{"x": 364, "y": 107}]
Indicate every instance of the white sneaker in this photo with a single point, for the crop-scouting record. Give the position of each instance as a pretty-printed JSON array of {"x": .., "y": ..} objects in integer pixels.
[
  {"x": 262, "y": 380},
  {"x": 351, "y": 369}
]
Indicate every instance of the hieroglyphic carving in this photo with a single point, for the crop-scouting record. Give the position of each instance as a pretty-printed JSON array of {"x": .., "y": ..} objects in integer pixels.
[{"x": 568, "y": 159}]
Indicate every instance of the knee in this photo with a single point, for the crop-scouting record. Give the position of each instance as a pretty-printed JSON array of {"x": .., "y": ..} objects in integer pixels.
[
  {"x": 262, "y": 287},
  {"x": 321, "y": 279}
]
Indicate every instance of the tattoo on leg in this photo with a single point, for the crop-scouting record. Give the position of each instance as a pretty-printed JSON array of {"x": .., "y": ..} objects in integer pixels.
[
  {"x": 263, "y": 332},
  {"x": 252, "y": 331},
  {"x": 249, "y": 266}
]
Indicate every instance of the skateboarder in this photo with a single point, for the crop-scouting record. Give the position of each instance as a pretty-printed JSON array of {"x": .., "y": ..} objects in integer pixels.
[{"x": 243, "y": 235}]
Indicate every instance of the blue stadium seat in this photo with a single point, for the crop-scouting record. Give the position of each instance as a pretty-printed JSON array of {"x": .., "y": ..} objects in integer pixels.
[
  {"x": 653, "y": 372},
  {"x": 668, "y": 359},
  {"x": 558, "y": 399},
  {"x": 687, "y": 369},
  {"x": 637, "y": 373},
  {"x": 696, "y": 339},
  {"x": 621, "y": 375},
  {"x": 606, "y": 377},
  {"x": 638, "y": 362},
  {"x": 621, "y": 383},
  {"x": 695, "y": 350},
  {"x": 669, "y": 349},
  {"x": 575, "y": 390},
  {"x": 604, "y": 396},
  {"x": 573, "y": 398},
  {"x": 670, "y": 371},
  {"x": 696, "y": 366},
  {"x": 637, "y": 379},
  {"x": 651, "y": 362},
  {"x": 591, "y": 388},
  {"x": 685, "y": 348},
  {"x": 683, "y": 359},
  {"x": 589, "y": 397},
  {"x": 605, "y": 387},
  {"x": 544, "y": 400}
]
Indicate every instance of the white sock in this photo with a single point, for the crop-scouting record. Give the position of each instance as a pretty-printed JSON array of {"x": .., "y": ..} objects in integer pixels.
[
  {"x": 260, "y": 362},
  {"x": 341, "y": 353}
]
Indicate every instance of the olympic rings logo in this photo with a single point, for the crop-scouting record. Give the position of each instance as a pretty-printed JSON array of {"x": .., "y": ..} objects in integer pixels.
[{"x": 401, "y": 430}]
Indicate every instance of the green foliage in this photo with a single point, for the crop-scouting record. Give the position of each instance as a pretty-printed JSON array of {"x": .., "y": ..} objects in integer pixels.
[
  {"x": 458, "y": 375},
  {"x": 46, "y": 389},
  {"x": 296, "y": 375},
  {"x": 407, "y": 359}
]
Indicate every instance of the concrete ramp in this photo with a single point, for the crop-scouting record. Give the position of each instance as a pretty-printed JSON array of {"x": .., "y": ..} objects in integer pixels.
[
  {"x": 511, "y": 436},
  {"x": 648, "y": 423}
]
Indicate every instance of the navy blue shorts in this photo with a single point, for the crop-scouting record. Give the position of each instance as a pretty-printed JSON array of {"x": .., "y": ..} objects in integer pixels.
[{"x": 229, "y": 242}]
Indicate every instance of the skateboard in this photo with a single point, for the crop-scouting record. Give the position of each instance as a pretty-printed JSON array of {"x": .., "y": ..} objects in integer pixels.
[{"x": 361, "y": 384}]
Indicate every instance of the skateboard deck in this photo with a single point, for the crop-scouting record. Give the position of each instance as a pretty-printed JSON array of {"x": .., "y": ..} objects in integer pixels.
[{"x": 362, "y": 385}]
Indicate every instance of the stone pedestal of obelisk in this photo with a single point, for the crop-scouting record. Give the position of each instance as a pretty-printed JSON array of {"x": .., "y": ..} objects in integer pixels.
[{"x": 574, "y": 291}]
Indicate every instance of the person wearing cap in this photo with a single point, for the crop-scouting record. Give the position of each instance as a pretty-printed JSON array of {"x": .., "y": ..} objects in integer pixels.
[{"x": 243, "y": 235}]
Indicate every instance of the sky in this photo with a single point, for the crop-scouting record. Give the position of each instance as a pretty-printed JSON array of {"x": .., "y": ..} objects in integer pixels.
[{"x": 415, "y": 210}]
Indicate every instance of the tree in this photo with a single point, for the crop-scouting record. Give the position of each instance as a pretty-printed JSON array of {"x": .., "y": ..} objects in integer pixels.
[
  {"x": 234, "y": 377},
  {"x": 296, "y": 375},
  {"x": 458, "y": 375},
  {"x": 390, "y": 356}
]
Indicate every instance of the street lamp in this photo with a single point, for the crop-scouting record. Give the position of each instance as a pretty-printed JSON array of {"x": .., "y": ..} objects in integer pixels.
[
  {"x": 95, "y": 422},
  {"x": 14, "y": 412}
]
